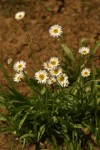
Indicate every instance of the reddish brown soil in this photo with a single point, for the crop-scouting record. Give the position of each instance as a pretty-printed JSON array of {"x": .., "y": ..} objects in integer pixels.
[{"x": 79, "y": 19}]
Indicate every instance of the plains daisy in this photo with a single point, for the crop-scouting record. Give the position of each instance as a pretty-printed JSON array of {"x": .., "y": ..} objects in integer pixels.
[
  {"x": 51, "y": 80},
  {"x": 19, "y": 66},
  {"x": 18, "y": 77},
  {"x": 63, "y": 80},
  {"x": 19, "y": 15},
  {"x": 47, "y": 65},
  {"x": 85, "y": 72},
  {"x": 55, "y": 31},
  {"x": 84, "y": 50},
  {"x": 54, "y": 62},
  {"x": 55, "y": 71},
  {"x": 41, "y": 76}
]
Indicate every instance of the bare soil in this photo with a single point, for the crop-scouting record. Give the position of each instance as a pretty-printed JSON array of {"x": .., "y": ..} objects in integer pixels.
[{"x": 79, "y": 19}]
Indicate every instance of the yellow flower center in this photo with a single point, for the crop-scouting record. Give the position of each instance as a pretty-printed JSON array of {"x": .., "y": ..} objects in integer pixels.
[
  {"x": 48, "y": 66},
  {"x": 56, "y": 71},
  {"x": 61, "y": 78},
  {"x": 41, "y": 76},
  {"x": 84, "y": 52},
  {"x": 20, "y": 66},
  {"x": 18, "y": 78},
  {"x": 55, "y": 31},
  {"x": 53, "y": 62},
  {"x": 20, "y": 16},
  {"x": 85, "y": 73},
  {"x": 52, "y": 80}
]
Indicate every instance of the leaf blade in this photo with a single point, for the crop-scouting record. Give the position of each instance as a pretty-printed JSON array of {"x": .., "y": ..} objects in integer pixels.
[{"x": 68, "y": 52}]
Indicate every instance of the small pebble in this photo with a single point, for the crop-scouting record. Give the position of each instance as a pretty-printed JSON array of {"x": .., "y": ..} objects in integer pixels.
[{"x": 9, "y": 61}]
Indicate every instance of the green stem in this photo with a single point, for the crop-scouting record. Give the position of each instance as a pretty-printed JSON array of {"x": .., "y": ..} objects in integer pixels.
[
  {"x": 46, "y": 103},
  {"x": 28, "y": 40}
]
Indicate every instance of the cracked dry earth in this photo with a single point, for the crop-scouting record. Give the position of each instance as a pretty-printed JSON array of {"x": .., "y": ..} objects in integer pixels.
[{"x": 79, "y": 19}]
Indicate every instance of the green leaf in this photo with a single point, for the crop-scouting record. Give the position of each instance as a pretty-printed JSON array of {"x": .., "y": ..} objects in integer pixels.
[
  {"x": 68, "y": 52},
  {"x": 5, "y": 73},
  {"x": 55, "y": 119},
  {"x": 93, "y": 84},
  {"x": 2, "y": 102},
  {"x": 26, "y": 135},
  {"x": 24, "y": 118},
  {"x": 55, "y": 144},
  {"x": 90, "y": 147},
  {"x": 43, "y": 90},
  {"x": 95, "y": 47},
  {"x": 17, "y": 115},
  {"x": 41, "y": 132},
  {"x": 1, "y": 98},
  {"x": 78, "y": 126},
  {"x": 22, "y": 121},
  {"x": 3, "y": 118}
]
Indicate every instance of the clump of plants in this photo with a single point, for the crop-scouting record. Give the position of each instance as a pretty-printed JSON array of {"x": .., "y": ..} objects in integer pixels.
[{"x": 63, "y": 104}]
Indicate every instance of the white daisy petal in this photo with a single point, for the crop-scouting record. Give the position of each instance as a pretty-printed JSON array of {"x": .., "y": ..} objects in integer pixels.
[
  {"x": 19, "y": 15},
  {"x": 41, "y": 76},
  {"x": 84, "y": 50},
  {"x": 55, "y": 31},
  {"x": 19, "y": 66},
  {"x": 85, "y": 72}
]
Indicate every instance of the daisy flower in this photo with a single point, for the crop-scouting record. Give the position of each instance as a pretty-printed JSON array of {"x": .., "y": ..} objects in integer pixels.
[
  {"x": 84, "y": 50},
  {"x": 19, "y": 15},
  {"x": 41, "y": 76},
  {"x": 18, "y": 77},
  {"x": 55, "y": 31},
  {"x": 54, "y": 62},
  {"x": 47, "y": 65},
  {"x": 63, "y": 80},
  {"x": 51, "y": 80},
  {"x": 85, "y": 72},
  {"x": 19, "y": 66},
  {"x": 55, "y": 71}
]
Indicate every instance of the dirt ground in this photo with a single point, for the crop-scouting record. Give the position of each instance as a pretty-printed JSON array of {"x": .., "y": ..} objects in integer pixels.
[{"x": 78, "y": 18}]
